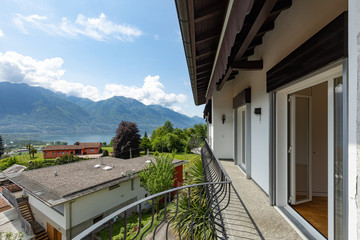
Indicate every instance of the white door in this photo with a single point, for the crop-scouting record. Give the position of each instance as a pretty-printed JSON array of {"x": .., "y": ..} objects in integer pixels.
[{"x": 300, "y": 149}]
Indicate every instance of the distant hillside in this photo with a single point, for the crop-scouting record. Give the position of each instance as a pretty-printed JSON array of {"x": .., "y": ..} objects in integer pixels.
[{"x": 26, "y": 109}]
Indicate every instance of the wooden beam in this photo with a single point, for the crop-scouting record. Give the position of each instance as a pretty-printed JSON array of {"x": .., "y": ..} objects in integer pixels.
[
  {"x": 258, "y": 23},
  {"x": 265, "y": 28},
  {"x": 223, "y": 81},
  {"x": 205, "y": 62},
  {"x": 205, "y": 52},
  {"x": 256, "y": 42},
  {"x": 247, "y": 65},
  {"x": 205, "y": 74},
  {"x": 207, "y": 36},
  {"x": 204, "y": 68},
  {"x": 200, "y": 79},
  {"x": 248, "y": 53},
  {"x": 281, "y": 6},
  {"x": 209, "y": 12}
]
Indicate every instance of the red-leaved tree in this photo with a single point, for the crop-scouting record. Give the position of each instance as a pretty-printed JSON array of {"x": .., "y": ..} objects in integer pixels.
[{"x": 127, "y": 137}]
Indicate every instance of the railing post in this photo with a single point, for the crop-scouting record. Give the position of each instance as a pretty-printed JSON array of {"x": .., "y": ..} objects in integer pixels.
[{"x": 110, "y": 230}]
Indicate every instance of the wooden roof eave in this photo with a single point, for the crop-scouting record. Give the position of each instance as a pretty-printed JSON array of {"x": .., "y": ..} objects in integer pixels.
[{"x": 185, "y": 11}]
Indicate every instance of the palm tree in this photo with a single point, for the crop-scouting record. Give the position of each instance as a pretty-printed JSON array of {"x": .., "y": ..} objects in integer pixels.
[
  {"x": 193, "y": 210},
  {"x": 33, "y": 151},
  {"x": 29, "y": 147}
]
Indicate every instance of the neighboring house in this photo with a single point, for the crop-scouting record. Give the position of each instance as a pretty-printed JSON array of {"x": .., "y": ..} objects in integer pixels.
[
  {"x": 76, "y": 149},
  {"x": 280, "y": 84},
  {"x": 67, "y": 199}
]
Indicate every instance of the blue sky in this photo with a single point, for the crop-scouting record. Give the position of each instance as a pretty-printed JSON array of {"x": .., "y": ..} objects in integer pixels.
[{"x": 97, "y": 49}]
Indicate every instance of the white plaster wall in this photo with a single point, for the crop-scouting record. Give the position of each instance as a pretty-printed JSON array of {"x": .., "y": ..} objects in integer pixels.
[
  {"x": 223, "y": 133},
  {"x": 48, "y": 211},
  {"x": 94, "y": 204},
  {"x": 292, "y": 28},
  {"x": 354, "y": 118}
]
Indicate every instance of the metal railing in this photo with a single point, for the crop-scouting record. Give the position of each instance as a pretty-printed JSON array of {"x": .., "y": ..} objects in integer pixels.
[
  {"x": 12, "y": 199},
  {"x": 188, "y": 211}
]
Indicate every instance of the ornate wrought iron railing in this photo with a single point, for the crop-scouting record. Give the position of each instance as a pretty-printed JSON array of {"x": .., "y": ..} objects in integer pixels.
[
  {"x": 12, "y": 199},
  {"x": 189, "y": 212}
]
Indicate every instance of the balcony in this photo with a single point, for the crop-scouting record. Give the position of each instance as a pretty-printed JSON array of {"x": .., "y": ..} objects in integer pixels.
[{"x": 212, "y": 209}]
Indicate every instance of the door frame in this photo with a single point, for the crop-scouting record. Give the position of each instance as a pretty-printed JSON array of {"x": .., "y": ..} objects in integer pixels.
[
  {"x": 239, "y": 130},
  {"x": 292, "y": 150},
  {"x": 281, "y": 111},
  {"x": 247, "y": 108}
]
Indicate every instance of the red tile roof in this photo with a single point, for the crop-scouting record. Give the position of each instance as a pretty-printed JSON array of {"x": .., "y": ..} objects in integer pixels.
[
  {"x": 3, "y": 203},
  {"x": 73, "y": 147}
]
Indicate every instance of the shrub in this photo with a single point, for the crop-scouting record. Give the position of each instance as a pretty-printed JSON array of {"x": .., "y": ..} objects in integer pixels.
[
  {"x": 105, "y": 153},
  {"x": 7, "y": 163}
]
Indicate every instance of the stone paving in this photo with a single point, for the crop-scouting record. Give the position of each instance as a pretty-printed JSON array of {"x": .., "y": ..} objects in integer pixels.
[{"x": 268, "y": 221}]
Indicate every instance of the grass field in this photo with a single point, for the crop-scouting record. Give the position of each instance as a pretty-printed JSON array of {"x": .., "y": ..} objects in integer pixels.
[{"x": 179, "y": 156}]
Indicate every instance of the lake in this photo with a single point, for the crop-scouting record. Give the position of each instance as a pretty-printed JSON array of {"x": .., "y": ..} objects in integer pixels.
[
  {"x": 72, "y": 138},
  {"x": 69, "y": 138}
]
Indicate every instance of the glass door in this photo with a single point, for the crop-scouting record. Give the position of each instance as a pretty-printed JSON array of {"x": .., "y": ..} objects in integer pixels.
[{"x": 300, "y": 149}]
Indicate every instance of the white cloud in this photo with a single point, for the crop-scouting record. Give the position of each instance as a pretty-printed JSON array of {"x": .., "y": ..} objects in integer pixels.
[
  {"x": 49, "y": 74},
  {"x": 1, "y": 33},
  {"x": 156, "y": 36},
  {"x": 99, "y": 28},
  {"x": 152, "y": 92}
]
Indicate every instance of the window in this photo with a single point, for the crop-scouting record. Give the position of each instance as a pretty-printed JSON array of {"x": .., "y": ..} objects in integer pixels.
[
  {"x": 53, "y": 154},
  {"x": 91, "y": 150},
  {"x": 62, "y": 153},
  {"x": 46, "y": 154}
]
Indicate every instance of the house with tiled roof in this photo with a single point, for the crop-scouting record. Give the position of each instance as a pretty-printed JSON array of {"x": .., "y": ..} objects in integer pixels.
[
  {"x": 64, "y": 200},
  {"x": 76, "y": 149}
]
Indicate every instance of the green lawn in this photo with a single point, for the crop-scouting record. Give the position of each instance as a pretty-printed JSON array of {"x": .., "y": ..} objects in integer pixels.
[{"x": 179, "y": 156}]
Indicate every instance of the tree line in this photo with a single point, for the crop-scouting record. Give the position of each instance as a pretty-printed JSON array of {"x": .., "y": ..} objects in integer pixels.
[{"x": 128, "y": 143}]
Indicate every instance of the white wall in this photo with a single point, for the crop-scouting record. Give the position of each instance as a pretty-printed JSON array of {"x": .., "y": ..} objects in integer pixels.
[
  {"x": 292, "y": 28},
  {"x": 354, "y": 116},
  {"x": 92, "y": 205},
  {"x": 44, "y": 214},
  {"x": 223, "y": 139}
]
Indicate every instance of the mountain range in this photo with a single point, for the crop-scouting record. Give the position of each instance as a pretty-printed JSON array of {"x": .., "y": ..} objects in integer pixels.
[{"x": 27, "y": 109}]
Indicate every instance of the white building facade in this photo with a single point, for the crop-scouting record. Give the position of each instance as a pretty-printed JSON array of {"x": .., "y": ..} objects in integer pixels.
[{"x": 287, "y": 113}]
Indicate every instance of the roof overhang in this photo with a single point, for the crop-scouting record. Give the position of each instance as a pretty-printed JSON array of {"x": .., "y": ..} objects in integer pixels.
[{"x": 220, "y": 36}]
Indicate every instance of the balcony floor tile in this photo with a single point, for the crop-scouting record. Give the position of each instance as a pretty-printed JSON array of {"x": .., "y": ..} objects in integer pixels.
[{"x": 267, "y": 219}]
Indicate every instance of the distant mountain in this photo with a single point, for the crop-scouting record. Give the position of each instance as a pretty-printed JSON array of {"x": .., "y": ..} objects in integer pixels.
[{"x": 26, "y": 109}]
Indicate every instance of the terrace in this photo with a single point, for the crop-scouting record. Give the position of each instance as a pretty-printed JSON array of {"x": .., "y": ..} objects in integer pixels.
[{"x": 235, "y": 208}]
